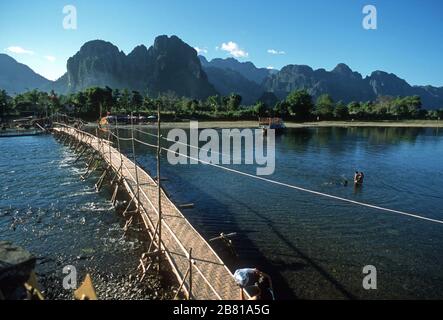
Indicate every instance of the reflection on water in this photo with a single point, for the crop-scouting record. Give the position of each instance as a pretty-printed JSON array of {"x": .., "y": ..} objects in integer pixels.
[
  {"x": 313, "y": 247},
  {"x": 317, "y": 247}
]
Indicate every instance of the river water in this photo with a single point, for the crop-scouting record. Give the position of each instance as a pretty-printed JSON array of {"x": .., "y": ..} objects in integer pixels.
[
  {"x": 46, "y": 208},
  {"x": 313, "y": 247}
]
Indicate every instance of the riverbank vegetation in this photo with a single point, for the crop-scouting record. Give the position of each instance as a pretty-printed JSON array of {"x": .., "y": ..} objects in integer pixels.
[{"x": 298, "y": 106}]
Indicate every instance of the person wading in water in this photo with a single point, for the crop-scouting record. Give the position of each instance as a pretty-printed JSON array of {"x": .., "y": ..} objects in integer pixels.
[{"x": 358, "y": 178}]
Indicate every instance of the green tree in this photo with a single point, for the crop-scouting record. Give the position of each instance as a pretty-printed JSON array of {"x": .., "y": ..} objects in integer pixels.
[
  {"x": 324, "y": 106},
  {"x": 187, "y": 106},
  {"x": 29, "y": 102},
  {"x": 399, "y": 108},
  {"x": 354, "y": 109},
  {"x": 136, "y": 101},
  {"x": 213, "y": 103},
  {"x": 281, "y": 108},
  {"x": 382, "y": 106},
  {"x": 54, "y": 103},
  {"x": 300, "y": 104},
  {"x": 413, "y": 106},
  {"x": 260, "y": 109},
  {"x": 341, "y": 111},
  {"x": 148, "y": 103},
  {"x": 5, "y": 104},
  {"x": 234, "y": 101},
  {"x": 124, "y": 101},
  {"x": 115, "y": 98},
  {"x": 98, "y": 101},
  {"x": 80, "y": 102}
]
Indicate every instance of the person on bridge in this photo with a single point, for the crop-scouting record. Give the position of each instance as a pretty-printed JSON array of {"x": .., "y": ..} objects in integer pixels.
[{"x": 258, "y": 283}]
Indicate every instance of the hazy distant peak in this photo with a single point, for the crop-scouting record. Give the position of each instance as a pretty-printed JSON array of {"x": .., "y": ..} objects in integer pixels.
[
  {"x": 17, "y": 77},
  {"x": 203, "y": 60},
  {"x": 6, "y": 58},
  {"x": 298, "y": 68},
  {"x": 246, "y": 69}
]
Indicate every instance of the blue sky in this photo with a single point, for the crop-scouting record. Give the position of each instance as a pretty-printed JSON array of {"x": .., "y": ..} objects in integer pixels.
[{"x": 408, "y": 40}]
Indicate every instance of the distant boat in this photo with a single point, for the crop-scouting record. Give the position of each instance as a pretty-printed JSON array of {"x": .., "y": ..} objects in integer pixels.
[{"x": 276, "y": 124}]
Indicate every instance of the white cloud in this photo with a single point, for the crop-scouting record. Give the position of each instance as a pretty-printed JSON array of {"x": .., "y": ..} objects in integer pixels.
[
  {"x": 19, "y": 50},
  {"x": 200, "y": 51},
  {"x": 50, "y": 58},
  {"x": 234, "y": 49},
  {"x": 273, "y": 51},
  {"x": 270, "y": 68}
]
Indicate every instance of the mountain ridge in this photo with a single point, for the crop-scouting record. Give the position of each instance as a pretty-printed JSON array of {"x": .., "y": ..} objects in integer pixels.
[
  {"x": 246, "y": 69},
  {"x": 169, "y": 65},
  {"x": 16, "y": 77},
  {"x": 344, "y": 84},
  {"x": 172, "y": 66}
]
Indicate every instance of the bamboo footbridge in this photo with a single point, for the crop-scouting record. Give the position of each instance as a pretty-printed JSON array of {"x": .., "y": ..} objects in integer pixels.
[{"x": 201, "y": 273}]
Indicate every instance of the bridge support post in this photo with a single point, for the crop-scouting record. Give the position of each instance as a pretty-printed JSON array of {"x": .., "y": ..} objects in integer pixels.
[
  {"x": 190, "y": 274},
  {"x": 100, "y": 181},
  {"x": 135, "y": 163},
  {"x": 79, "y": 143},
  {"x": 127, "y": 207},
  {"x": 82, "y": 152},
  {"x": 159, "y": 203},
  {"x": 128, "y": 224},
  {"x": 66, "y": 137},
  {"x": 91, "y": 166},
  {"x": 71, "y": 142},
  {"x": 114, "y": 194}
]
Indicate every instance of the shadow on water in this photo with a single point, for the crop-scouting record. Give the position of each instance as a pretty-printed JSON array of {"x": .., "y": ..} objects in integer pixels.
[
  {"x": 299, "y": 253},
  {"x": 254, "y": 258},
  {"x": 241, "y": 240}
]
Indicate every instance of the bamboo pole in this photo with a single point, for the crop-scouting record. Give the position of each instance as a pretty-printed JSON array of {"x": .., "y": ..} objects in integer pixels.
[
  {"x": 159, "y": 203},
  {"x": 109, "y": 144},
  {"x": 190, "y": 274},
  {"x": 135, "y": 163},
  {"x": 181, "y": 284},
  {"x": 118, "y": 145}
]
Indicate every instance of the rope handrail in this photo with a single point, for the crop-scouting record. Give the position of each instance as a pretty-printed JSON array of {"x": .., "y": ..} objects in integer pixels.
[
  {"x": 145, "y": 143},
  {"x": 182, "y": 143},
  {"x": 118, "y": 137}
]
